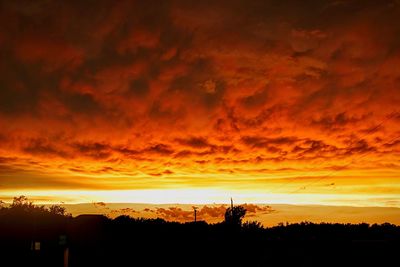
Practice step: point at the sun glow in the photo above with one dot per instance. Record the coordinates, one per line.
(195, 196)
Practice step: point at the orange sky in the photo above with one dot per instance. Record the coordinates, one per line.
(197, 101)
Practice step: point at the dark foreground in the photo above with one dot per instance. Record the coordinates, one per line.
(99, 241)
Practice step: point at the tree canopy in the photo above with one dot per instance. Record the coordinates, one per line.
(234, 215)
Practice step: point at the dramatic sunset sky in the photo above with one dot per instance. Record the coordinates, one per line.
(294, 102)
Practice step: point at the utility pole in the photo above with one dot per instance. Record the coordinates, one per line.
(195, 214)
(231, 209)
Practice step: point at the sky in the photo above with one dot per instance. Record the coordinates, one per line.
(200, 101)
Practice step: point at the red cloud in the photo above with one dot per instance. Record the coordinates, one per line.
(207, 213)
(175, 95)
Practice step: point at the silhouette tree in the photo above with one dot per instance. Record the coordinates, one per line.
(252, 226)
(22, 204)
(234, 215)
(21, 201)
(57, 210)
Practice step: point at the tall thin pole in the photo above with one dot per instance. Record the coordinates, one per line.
(195, 214)
(231, 208)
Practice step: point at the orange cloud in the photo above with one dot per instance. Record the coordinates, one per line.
(214, 213)
(133, 95)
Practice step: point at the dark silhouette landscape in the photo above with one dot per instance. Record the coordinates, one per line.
(33, 235)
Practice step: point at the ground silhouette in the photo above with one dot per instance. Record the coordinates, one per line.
(95, 240)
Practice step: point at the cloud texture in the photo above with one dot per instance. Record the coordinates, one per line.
(174, 94)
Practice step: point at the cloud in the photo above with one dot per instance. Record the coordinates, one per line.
(338, 121)
(361, 146)
(252, 208)
(393, 144)
(93, 150)
(308, 147)
(210, 213)
(123, 211)
(100, 205)
(196, 93)
(262, 142)
(41, 147)
(174, 213)
(194, 142)
(160, 149)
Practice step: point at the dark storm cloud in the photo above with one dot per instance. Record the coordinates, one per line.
(393, 144)
(338, 121)
(256, 100)
(85, 49)
(200, 84)
(139, 87)
(263, 142)
(160, 149)
(314, 146)
(82, 103)
(360, 147)
(20, 86)
(194, 142)
(42, 147)
(197, 86)
(93, 150)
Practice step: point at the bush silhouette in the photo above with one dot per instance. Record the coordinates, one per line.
(58, 210)
(234, 215)
(252, 226)
(22, 205)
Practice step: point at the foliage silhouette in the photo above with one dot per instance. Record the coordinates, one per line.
(58, 210)
(234, 215)
(21, 205)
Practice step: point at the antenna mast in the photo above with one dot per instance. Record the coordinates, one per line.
(231, 208)
(195, 214)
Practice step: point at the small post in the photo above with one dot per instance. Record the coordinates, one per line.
(195, 214)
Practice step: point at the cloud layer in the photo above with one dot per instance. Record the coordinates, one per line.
(175, 94)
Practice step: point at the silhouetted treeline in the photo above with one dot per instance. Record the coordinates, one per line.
(36, 236)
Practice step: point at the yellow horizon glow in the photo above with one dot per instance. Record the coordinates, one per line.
(196, 196)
